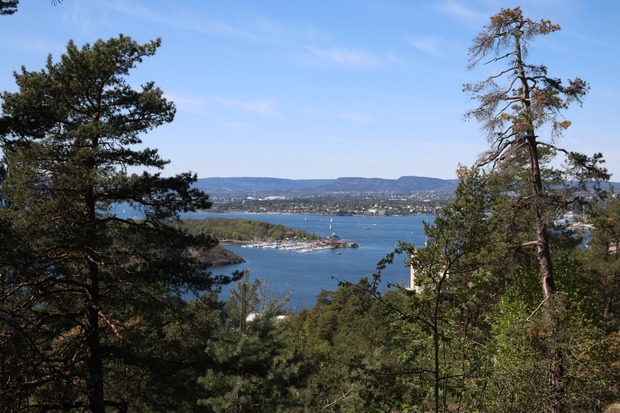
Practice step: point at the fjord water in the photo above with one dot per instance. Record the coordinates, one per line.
(305, 275)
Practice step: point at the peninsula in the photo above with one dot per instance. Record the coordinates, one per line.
(258, 234)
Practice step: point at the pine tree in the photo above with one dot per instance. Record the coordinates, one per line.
(252, 370)
(516, 103)
(78, 281)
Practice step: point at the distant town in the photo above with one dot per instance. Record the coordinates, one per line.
(342, 196)
(404, 196)
(329, 204)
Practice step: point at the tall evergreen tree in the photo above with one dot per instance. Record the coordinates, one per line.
(78, 280)
(516, 104)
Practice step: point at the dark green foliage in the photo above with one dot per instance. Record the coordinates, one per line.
(603, 261)
(252, 367)
(442, 319)
(519, 338)
(81, 288)
(163, 375)
(245, 230)
(346, 335)
(8, 6)
(219, 255)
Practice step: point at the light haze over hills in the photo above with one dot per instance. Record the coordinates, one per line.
(221, 186)
(405, 184)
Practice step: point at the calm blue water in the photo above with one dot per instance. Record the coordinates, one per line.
(305, 275)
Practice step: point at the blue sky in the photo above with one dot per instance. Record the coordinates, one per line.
(327, 88)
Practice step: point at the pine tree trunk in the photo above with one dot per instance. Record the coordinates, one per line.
(95, 382)
(543, 254)
(95, 395)
(543, 251)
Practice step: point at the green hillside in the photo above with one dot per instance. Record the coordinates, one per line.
(227, 229)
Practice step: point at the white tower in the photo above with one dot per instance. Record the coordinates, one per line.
(412, 285)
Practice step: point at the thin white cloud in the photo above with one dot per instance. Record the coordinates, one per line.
(76, 15)
(188, 104)
(350, 58)
(187, 19)
(460, 11)
(236, 125)
(432, 45)
(36, 46)
(259, 107)
(356, 117)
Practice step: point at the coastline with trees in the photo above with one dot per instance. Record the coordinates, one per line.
(102, 313)
(259, 234)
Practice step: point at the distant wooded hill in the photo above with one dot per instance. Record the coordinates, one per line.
(348, 185)
(275, 186)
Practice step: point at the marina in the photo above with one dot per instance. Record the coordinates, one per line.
(303, 275)
(303, 247)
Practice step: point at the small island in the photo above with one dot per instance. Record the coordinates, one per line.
(259, 234)
(219, 255)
